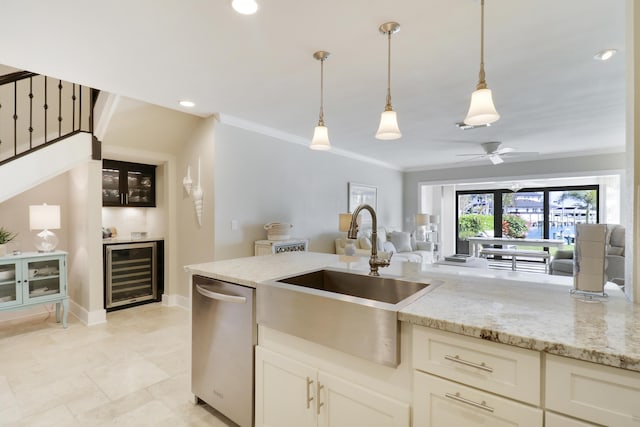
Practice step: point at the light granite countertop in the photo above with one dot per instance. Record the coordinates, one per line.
(118, 240)
(528, 310)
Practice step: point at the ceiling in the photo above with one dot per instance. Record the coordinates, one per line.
(553, 97)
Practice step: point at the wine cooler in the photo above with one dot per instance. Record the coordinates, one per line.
(131, 274)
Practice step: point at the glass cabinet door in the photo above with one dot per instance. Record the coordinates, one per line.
(9, 294)
(140, 187)
(43, 277)
(111, 186)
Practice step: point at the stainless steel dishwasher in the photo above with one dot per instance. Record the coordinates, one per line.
(224, 333)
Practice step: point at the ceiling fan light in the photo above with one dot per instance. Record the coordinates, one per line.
(245, 7)
(388, 128)
(481, 110)
(320, 140)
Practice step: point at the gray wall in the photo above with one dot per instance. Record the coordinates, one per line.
(260, 179)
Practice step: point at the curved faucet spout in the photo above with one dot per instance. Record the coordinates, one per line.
(374, 261)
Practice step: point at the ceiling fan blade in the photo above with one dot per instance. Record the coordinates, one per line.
(469, 154)
(504, 150)
(520, 153)
(496, 159)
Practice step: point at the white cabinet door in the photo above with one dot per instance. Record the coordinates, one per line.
(600, 394)
(555, 420)
(441, 403)
(344, 404)
(285, 391)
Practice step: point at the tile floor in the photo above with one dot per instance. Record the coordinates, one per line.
(131, 371)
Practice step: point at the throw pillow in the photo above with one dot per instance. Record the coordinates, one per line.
(414, 244)
(615, 250)
(389, 248)
(401, 240)
(364, 242)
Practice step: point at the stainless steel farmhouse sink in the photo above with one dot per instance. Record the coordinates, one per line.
(351, 312)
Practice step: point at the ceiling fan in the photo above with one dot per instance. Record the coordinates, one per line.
(495, 154)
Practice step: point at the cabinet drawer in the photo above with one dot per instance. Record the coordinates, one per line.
(442, 403)
(555, 420)
(506, 370)
(601, 394)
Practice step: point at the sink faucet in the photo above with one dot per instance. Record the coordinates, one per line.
(374, 261)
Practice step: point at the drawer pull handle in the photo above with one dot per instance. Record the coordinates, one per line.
(482, 405)
(480, 366)
(309, 397)
(318, 403)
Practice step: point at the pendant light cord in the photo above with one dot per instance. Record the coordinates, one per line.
(388, 106)
(321, 118)
(482, 84)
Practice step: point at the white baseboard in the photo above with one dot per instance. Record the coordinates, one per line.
(172, 300)
(89, 318)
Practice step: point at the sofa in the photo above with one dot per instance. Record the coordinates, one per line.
(400, 244)
(562, 262)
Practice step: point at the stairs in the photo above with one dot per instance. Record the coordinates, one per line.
(41, 165)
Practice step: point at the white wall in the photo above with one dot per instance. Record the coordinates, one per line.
(195, 243)
(632, 195)
(260, 179)
(86, 289)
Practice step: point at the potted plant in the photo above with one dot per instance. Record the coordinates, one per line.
(5, 237)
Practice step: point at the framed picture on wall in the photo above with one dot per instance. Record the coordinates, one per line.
(360, 193)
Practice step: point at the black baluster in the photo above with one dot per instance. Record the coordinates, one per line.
(59, 108)
(46, 107)
(73, 115)
(30, 112)
(15, 118)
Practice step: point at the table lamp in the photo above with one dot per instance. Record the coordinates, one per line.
(46, 218)
(422, 220)
(344, 221)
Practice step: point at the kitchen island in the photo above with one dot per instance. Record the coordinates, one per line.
(527, 319)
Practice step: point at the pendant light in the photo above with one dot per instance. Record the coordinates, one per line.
(481, 111)
(388, 128)
(320, 140)
(245, 7)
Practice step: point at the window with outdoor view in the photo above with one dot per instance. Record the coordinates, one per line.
(532, 213)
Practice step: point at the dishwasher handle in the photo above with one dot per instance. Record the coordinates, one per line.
(221, 297)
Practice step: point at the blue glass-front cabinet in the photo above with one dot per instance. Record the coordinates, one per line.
(35, 278)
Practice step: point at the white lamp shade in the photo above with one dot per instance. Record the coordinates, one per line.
(245, 7)
(44, 217)
(344, 221)
(422, 219)
(388, 128)
(481, 110)
(320, 139)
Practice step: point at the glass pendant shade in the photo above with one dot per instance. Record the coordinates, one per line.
(388, 128)
(481, 111)
(245, 7)
(320, 140)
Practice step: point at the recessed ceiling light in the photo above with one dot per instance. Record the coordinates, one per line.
(605, 55)
(188, 104)
(245, 7)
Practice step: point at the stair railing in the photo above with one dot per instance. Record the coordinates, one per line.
(37, 111)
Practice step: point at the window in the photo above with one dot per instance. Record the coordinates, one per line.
(534, 213)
